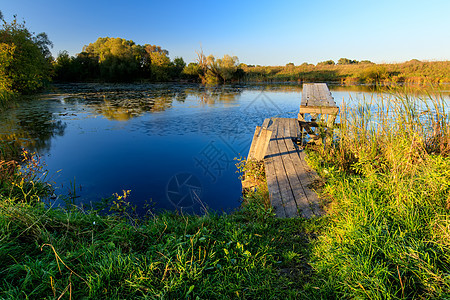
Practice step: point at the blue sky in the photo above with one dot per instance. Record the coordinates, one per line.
(258, 32)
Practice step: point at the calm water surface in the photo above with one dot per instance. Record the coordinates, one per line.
(173, 146)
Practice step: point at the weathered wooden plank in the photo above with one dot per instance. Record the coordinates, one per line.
(291, 159)
(262, 144)
(316, 94)
(307, 207)
(312, 134)
(290, 203)
(274, 189)
(271, 176)
(300, 173)
(331, 119)
(318, 109)
(259, 144)
(289, 178)
(303, 100)
(324, 92)
(320, 103)
(251, 152)
(257, 152)
(301, 117)
(305, 94)
(294, 128)
(305, 174)
(309, 124)
(266, 123)
(287, 196)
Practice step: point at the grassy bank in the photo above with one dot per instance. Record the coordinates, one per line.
(386, 233)
(413, 71)
(50, 253)
(46, 254)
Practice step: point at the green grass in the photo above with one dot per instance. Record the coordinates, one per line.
(46, 253)
(386, 234)
(388, 180)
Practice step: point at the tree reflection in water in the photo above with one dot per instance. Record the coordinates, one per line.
(32, 125)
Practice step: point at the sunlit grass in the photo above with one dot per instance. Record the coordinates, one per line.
(414, 71)
(388, 181)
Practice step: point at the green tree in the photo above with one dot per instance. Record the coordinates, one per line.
(86, 67)
(83, 67)
(113, 47)
(176, 67)
(6, 58)
(228, 66)
(191, 71)
(26, 58)
(124, 60)
(346, 61)
(119, 59)
(62, 66)
(179, 62)
(155, 62)
(214, 71)
(325, 63)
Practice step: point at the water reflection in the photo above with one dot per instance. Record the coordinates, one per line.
(31, 126)
(121, 102)
(152, 139)
(212, 95)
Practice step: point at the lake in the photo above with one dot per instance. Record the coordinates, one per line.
(173, 146)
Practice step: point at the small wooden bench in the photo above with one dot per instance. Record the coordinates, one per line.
(319, 104)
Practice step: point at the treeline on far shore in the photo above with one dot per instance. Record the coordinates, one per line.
(154, 64)
(27, 65)
(120, 60)
(353, 72)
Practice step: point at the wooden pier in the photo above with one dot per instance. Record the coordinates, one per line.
(289, 178)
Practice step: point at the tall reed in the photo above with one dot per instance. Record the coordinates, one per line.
(389, 184)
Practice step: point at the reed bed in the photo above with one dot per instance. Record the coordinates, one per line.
(388, 183)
